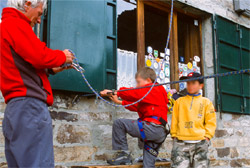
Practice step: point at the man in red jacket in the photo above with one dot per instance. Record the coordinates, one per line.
(25, 63)
(150, 127)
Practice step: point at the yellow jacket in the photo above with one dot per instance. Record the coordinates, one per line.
(193, 118)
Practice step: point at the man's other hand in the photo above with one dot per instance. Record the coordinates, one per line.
(69, 56)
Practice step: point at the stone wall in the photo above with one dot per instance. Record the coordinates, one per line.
(82, 131)
(224, 8)
(82, 134)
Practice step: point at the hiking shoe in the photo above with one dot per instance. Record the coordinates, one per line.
(121, 158)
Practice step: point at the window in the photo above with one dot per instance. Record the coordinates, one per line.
(233, 54)
(127, 43)
(91, 35)
(185, 40)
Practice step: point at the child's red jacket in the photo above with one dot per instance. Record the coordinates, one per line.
(155, 104)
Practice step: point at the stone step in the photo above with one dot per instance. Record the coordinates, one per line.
(139, 165)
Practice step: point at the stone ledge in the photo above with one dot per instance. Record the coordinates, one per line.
(139, 165)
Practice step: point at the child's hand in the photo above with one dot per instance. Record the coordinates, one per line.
(115, 99)
(105, 92)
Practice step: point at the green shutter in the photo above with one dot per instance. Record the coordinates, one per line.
(89, 29)
(233, 54)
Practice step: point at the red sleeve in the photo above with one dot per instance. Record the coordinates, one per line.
(31, 49)
(157, 96)
(131, 108)
(132, 95)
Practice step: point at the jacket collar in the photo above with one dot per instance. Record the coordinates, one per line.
(195, 95)
(14, 13)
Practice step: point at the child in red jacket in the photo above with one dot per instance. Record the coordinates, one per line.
(150, 127)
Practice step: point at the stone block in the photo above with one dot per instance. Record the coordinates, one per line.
(234, 152)
(231, 142)
(218, 143)
(74, 154)
(63, 116)
(127, 115)
(2, 106)
(245, 152)
(1, 138)
(239, 133)
(223, 152)
(236, 116)
(240, 163)
(222, 163)
(102, 136)
(245, 123)
(221, 133)
(95, 116)
(243, 141)
(3, 165)
(231, 124)
(167, 145)
(73, 134)
(247, 131)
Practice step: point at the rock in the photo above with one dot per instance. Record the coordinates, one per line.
(73, 134)
(63, 116)
(214, 163)
(2, 106)
(2, 139)
(231, 124)
(220, 133)
(239, 133)
(234, 152)
(102, 136)
(236, 116)
(104, 155)
(223, 152)
(95, 116)
(231, 142)
(240, 163)
(218, 143)
(127, 115)
(245, 123)
(235, 163)
(74, 154)
(243, 141)
(3, 165)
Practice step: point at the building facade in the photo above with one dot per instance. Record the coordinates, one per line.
(111, 40)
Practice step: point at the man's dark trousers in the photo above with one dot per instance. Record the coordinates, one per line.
(27, 128)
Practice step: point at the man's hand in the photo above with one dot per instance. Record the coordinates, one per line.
(115, 99)
(69, 56)
(105, 92)
(60, 69)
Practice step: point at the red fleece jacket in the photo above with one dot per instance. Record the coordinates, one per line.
(24, 59)
(155, 104)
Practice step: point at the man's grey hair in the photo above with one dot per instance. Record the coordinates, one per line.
(19, 4)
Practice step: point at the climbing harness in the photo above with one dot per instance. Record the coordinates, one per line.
(148, 148)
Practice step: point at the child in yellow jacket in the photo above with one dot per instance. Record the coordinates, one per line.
(193, 125)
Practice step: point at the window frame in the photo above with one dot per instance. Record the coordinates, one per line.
(173, 43)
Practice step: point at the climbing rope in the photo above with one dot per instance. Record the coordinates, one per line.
(77, 67)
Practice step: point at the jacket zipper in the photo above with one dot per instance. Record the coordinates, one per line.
(192, 103)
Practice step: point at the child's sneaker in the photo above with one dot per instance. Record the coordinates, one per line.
(121, 158)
